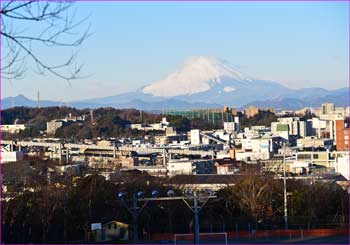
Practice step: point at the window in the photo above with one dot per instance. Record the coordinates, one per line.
(115, 226)
(315, 156)
(109, 226)
(304, 156)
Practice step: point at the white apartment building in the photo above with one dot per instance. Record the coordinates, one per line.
(342, 165)
(162, 126)
(13, 128)
(11, 156)
(189, 167)
(195, 137)
(258, 148)
(292, 122)
(281, 130)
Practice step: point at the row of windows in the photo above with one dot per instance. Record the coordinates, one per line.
(307, 156)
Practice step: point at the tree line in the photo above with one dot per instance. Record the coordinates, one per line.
(63, 213)
(108, 122)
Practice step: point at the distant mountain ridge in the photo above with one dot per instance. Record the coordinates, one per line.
(340, 97)
(205, 82)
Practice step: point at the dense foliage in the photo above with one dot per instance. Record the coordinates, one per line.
(263, 118)
(64, 213)
(108, 122)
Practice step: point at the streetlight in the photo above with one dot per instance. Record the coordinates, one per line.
(190, 195)
(134, 210)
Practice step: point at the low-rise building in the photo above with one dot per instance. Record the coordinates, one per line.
(188, 167)
(259, 148)
(342, 165)
(53, 125)
(299, 167)
(203, 182)
(161, 126)
(281, 130)
(110, 231)
(231, 127)
(323, 158)
(156, 170)
(11, 156)
(195, 137)
(227, 166)
(313, 142)
(13, 128)
(169, 139)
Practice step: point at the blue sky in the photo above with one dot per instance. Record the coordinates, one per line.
(299, 44)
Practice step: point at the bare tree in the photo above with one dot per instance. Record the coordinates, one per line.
(30, 28)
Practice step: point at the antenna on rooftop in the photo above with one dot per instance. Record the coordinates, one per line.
(92, 116)
(38, 99)
(208, 114)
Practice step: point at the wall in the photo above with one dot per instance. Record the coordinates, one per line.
(12, 156)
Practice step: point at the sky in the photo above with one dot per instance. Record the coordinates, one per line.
(298, 44)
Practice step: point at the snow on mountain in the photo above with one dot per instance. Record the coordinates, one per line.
(228, 89)
(204, 82)
(198, 74)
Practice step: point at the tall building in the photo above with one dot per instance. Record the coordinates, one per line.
(327, 108)
(305, 128)
(342, 136)
(330, 120)
(232, 126)
(292, 122)
(279, 129)
(195, 137)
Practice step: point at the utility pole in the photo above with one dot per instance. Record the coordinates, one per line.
(285, 188)
(196, 218)
(135, 210)
(135, 219)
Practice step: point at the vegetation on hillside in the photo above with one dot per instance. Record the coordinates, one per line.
(263, 118)
(108, 122)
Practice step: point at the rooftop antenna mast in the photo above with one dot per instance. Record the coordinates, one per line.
(92, 116)
(38, 99)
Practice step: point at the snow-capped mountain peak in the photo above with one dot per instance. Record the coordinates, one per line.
(198, 74)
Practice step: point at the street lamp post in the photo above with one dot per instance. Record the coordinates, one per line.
(134, 210)
(135, 217)
(196, 218)
(196, 208)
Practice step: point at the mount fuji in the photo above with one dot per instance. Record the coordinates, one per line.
(199, 74)
(201, 81)
(207, 82)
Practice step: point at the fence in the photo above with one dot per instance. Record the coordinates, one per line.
(269, 234)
